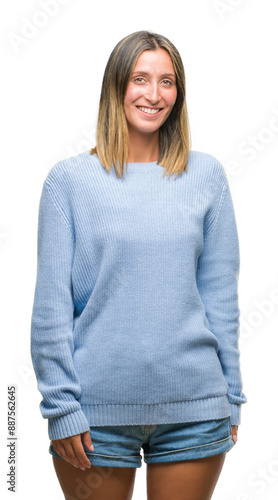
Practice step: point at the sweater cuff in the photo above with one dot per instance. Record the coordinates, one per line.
(67, 425)
(235, 414)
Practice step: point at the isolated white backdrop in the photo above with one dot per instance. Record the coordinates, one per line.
(53, 54)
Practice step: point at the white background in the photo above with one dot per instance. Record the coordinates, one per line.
(53, 68)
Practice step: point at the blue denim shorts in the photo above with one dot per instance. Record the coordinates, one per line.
(120, 445)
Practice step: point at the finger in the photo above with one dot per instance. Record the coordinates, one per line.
(81, 459)
(59, 448)
(70, 456)
(67, 454)
(87, 440)
(71, 450)
(234, 434)
(73, 457)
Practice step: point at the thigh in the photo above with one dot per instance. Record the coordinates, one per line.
(96, 483)
(185, 479)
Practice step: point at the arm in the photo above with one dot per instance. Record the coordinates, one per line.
(217, 281)
(52, 342)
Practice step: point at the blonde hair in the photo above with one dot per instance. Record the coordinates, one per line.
(112, 136)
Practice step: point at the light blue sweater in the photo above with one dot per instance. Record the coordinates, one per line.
(135, 317)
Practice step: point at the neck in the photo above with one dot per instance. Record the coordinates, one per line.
(143, 148)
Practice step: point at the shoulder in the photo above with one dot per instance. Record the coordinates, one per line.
(206, 168)
(71, 169)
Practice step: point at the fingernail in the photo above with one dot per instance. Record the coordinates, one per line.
(235, 439)
(91, 447)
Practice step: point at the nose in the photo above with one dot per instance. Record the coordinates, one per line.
(153, 94)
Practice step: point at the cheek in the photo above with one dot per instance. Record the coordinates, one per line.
(173, 98)
(132, 94)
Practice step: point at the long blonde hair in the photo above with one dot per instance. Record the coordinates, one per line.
(112, 136)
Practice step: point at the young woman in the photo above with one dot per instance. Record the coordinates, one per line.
(135, 319)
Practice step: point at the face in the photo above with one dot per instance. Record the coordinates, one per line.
(151, 92)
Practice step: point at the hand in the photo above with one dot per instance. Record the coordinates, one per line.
(234, 429)
(71, 449)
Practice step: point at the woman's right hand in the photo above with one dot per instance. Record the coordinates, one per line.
(71, 449)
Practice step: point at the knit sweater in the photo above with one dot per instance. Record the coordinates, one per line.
(135, 317)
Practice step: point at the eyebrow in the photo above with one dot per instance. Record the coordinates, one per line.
(146, 73)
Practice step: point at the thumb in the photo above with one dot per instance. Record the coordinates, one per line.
(86, 438)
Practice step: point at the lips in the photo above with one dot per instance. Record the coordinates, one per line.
(149, 111)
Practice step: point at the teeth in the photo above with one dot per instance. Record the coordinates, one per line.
(149, 110)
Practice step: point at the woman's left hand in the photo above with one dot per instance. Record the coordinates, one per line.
(234, 429)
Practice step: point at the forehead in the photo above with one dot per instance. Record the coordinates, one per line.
(154, 60)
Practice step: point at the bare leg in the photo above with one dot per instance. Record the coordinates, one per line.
(185, 479)
(96, 483)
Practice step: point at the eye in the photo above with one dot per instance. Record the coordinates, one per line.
(139, 79)
(167, 82)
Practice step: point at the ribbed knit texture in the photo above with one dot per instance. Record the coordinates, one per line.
(135, 317)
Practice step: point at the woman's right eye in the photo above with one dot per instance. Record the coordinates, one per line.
(139, 79)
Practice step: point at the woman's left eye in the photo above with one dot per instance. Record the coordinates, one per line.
(167, 82)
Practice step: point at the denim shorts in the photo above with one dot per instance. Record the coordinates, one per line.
(120, 445)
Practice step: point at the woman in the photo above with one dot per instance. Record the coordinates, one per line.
(135, 320)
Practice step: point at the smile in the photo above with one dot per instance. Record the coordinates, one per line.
(149, 111)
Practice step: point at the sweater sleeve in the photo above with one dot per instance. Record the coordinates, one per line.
(52, 342)
(217, 281)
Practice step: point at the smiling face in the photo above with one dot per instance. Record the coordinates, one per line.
(151, 92)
